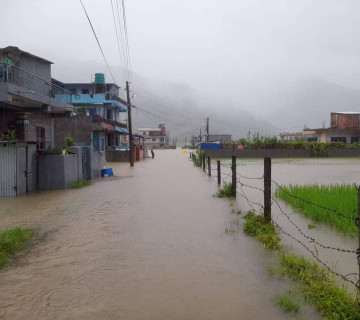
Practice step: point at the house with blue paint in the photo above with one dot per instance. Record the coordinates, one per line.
(102, 111)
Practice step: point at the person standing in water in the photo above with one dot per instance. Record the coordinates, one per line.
(152, 154)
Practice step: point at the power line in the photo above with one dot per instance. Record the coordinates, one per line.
(98, 42)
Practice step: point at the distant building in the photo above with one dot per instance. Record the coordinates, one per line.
(155, 137)
(344, 127)
(291, 136)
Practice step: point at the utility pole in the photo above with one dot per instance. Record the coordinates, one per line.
(200, 136)
(207, 129)
(130, 125)
(185, 141)
(193, 140)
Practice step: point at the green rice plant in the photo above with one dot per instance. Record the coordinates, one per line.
(265, 232)
(80, 184)
(338, 198)
(319, 287)
(11, 241)
(225, 191)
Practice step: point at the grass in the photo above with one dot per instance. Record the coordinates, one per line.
(341, 198)
(225, 191)
(11, 241)
(265, 232)
(80, 184)
(317, 285)
(288, 301)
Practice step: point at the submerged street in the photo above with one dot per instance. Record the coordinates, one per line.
(148, 243)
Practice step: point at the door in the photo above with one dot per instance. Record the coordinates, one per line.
(21, 170)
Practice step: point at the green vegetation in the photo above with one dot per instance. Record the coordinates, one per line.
(225, 191)
(319, 287)
(311, 226)
(256, 226)
(341, 198)
(69, 141)
(9, 135)
(197, 158)
(80, 184)
(289, 301)
(11, 241)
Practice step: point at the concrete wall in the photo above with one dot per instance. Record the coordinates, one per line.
(97, 162)
(57, 172)
(71, 126)
(118, 156)
(278, 153)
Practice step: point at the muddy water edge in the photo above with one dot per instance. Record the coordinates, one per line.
(149, 243)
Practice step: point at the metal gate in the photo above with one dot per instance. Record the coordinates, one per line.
(86, 164)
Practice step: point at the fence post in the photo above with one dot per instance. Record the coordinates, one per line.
(267, 189)
(218, 172)
(203, 161)
(233, 170)
(209, 166)
(358, 250)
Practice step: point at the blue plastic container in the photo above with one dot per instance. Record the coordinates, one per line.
(107, 172)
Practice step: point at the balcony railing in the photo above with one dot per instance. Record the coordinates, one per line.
(114, 123)
(22, 78)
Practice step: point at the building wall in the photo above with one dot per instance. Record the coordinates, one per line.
(43, 120)
(35, 66)
(342, 121)
(71, 126)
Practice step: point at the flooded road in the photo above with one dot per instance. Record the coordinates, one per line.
(146, 244)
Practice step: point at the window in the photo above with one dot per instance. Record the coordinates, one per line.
(85, 91)
(354, 139)
(153, 139)
(40, 138)
(338, 139)
(73, 91)
(312, 139)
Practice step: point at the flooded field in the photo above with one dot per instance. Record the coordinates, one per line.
(149, 243)
(303, 172)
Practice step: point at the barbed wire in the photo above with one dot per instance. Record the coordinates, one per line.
(306, 236)
(314, 255)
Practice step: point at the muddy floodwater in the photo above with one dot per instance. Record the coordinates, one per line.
(149, 243)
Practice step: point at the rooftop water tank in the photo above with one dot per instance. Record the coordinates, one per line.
(99, 78)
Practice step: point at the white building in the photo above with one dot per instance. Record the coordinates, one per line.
(155, 137)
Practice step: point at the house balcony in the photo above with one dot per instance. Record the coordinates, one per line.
(110, 125)
(100, 98)
(23, 89)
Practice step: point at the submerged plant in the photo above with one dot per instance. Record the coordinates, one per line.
(11, 241)
(225, 191)
(265, 232)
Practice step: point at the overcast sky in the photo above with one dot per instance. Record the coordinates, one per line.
(245, 51)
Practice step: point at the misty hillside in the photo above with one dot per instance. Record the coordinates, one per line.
(309, 102)
(184, 112)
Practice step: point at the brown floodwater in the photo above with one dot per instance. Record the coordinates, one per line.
(149, 243)
(303, 172)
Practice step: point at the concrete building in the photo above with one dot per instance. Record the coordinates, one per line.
(225, 138)
(291, 136)
(155, 137)
(28, 99)
(29, 103)
(344, 127)
(102, 111)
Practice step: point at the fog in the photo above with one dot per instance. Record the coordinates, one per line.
(256, 65)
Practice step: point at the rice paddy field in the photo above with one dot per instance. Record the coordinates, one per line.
(335, 205)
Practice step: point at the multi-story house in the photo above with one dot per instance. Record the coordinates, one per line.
(28, 105)
(102, 111)
(155, 137)
(344, 127)
(28, 98)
